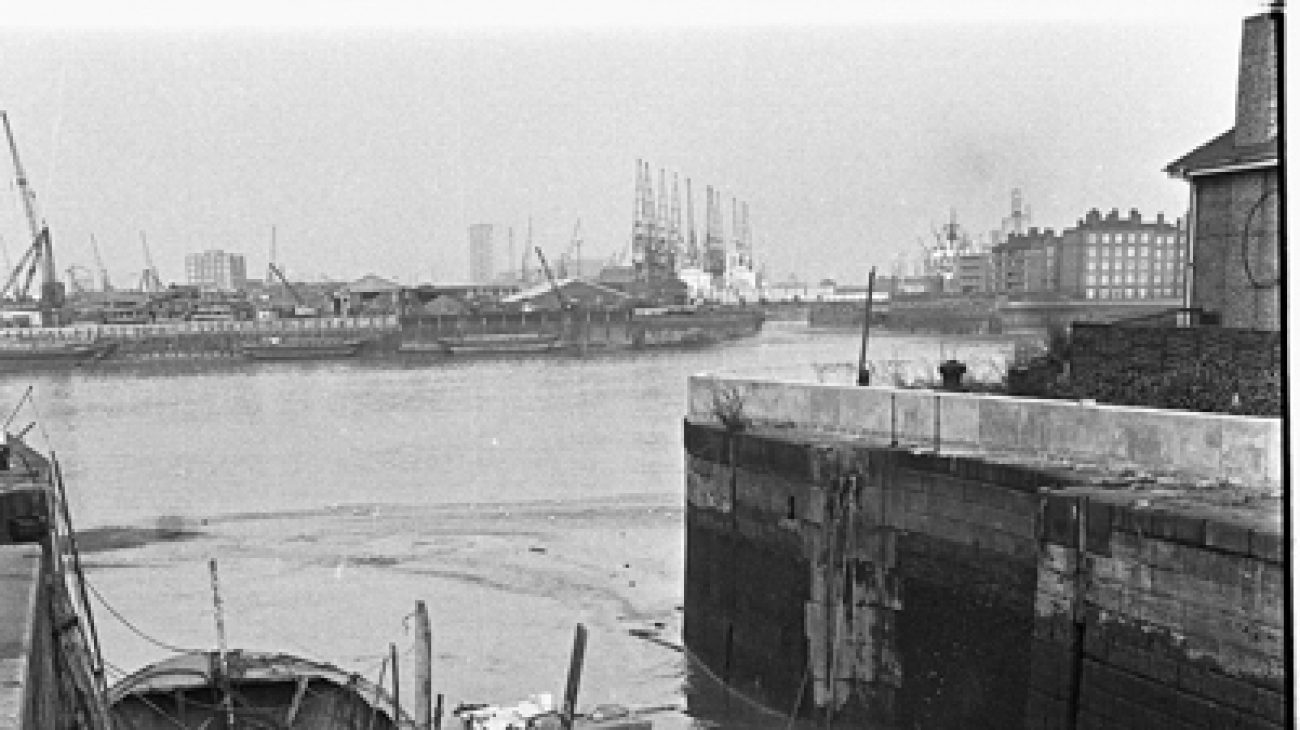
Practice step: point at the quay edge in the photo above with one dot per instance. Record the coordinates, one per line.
(914, 559)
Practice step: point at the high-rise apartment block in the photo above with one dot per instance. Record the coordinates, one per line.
(482, 258)
(216, 270)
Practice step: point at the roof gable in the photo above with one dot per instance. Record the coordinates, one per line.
(1221, 154)
(372, 283)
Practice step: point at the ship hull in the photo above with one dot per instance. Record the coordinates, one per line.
(291, 350)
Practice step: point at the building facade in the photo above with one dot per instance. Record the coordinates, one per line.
(1027, 263)
(975, 273)
(216, 270)
(1123, 257)
(1235, 219)
(482, 257)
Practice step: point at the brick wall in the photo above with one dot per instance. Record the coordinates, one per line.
(1236, 255)
(1199, 368)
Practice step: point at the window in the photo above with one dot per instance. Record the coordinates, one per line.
(1132, 250)
(1157, 279)
(1132, 238)
(1105, 293)
(1105, 279)
(1128, 293)
(1105, 265)
(1092, 266)
(1143, 293)
(1092, 252)
(1144, 251)
(1090, 279)
(1092, 238)
(1092, 293)
(1146, 238)
(1142, 263)
(1105, 238)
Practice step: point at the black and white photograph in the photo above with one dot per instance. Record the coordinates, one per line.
(644, 366)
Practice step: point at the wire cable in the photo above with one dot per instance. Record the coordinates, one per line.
(135, 629)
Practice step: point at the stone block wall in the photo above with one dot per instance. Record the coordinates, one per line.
(1156, 618)
(888, 587)
(1217, 369)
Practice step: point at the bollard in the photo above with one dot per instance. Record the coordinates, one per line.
(950, 374)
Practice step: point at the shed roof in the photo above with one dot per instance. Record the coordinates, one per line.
(372, 284)
(545, 288)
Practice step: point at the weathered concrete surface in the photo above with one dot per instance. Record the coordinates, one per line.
(899, 587)
(1243, 451)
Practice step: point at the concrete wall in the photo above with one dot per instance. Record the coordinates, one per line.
(888, 588)
(1243, 451)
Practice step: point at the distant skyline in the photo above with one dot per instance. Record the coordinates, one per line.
(372, 143)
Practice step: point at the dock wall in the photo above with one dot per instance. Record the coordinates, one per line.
(382, 335)
(591, 329)
(848, 568)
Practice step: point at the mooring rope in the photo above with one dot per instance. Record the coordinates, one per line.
(135, 629)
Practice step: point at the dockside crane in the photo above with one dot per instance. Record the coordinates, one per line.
(575, 244)
(150, 283)
(40, 254)
(301, 308)
(104, 284)
(550, 277)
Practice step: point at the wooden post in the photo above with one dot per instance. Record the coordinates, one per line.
(575, 676)
(227, 701)
(864, 375)
(397, 687)
(423, 668)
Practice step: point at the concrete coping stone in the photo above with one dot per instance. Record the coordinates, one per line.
(1210, 450)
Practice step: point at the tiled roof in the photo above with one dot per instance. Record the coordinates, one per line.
(1220, 152)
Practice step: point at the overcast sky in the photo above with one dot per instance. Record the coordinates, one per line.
(371, 141)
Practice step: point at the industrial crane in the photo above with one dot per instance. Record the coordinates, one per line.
(554, 285)
(104, 284)
(150, 283)
(301, 308)
(40, 254)
(575, 244)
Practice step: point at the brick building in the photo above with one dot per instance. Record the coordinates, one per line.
(1236, 232)
(1122, 257)
(1027, 262)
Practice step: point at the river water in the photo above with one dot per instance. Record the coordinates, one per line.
(517, 497)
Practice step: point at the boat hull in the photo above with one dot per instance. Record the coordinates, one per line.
(265, 690)
(291, 350)
(56, 353)
(499, 344)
